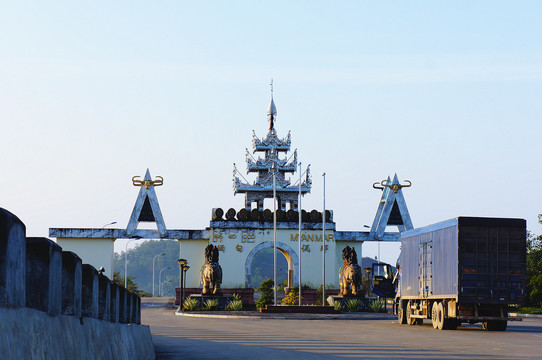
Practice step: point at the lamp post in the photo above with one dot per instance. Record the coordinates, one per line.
(185, 269)
(162, 285)
(183, 264)
(126, 263)
(153, 272)
(160, 278)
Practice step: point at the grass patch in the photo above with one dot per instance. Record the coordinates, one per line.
(526, 309)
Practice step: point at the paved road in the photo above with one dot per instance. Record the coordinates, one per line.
(202, 338)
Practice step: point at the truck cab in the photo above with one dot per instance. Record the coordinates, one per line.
(382, 280)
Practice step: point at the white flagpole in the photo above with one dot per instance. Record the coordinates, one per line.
(274, 236)
(299, 235)
(324, 245)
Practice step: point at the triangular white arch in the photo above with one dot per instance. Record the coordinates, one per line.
(147, 191)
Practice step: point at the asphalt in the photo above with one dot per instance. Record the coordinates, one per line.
(184, 337)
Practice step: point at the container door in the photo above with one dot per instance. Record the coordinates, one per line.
(426, 262)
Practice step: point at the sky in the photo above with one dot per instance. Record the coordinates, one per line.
(446, 94)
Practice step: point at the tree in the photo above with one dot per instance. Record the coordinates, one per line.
(140, 260)
(266, 293)
(130, 284)
(534, 267)
(292, 298)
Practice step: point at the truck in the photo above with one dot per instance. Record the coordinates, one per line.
(464, 270)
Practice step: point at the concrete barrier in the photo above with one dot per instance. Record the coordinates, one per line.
(31, 334)
(114, 303)
(54, 307)
(122, 305)
(104, 297)
(12, 259)
(43, 275)
(90, 291)
(71, 284)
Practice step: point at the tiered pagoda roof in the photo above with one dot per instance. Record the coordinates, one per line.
(271, 146)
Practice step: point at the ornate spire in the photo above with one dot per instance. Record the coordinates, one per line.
(272, 168)
(272, 110)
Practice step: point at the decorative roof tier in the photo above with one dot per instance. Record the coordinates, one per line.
(271, 164)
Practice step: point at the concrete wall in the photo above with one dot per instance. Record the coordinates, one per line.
(31, 334)
(96, 252)
(54, 307)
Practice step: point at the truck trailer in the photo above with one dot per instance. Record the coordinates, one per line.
(464, 270)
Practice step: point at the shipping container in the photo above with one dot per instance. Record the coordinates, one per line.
(467, 269)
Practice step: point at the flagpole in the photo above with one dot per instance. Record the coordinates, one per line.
(324, 245)
(299, 235)
(274, 236)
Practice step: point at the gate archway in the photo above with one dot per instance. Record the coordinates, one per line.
(287, 251)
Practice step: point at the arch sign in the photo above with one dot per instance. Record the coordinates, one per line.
(239, 241)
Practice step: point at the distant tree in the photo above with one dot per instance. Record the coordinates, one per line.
(140, 260)
(534, 267)
(130, 284)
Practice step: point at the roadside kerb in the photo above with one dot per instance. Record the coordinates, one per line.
(287, 316)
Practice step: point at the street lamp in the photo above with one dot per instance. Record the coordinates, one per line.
(153, 272)
(126, 263)
(162, 285)
(183, 264)
(160, 278)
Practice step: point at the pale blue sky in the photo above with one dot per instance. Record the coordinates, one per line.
(447, 94)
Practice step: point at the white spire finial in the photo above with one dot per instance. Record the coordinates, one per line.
(272, 110)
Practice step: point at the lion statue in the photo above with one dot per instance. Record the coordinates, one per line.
(350, 273)
(211, 272)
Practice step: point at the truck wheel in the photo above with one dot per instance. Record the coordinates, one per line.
(495, 325)
(440, 317)
(401, 316)
(450, 324)
(434, 318)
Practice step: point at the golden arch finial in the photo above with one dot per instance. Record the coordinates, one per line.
(148, 183)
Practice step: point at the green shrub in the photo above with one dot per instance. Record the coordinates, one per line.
(210, 304)
(319, 298)
(190, 304)
(234, 305)
(266, 293)
(337, 305)
(292, 298)
(236, 297)
(353, 305)
(376, 306)
(282, 285)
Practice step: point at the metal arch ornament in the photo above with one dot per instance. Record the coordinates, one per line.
(392, 186)
(147, 183)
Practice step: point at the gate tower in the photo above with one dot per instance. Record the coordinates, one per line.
(272, 163)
